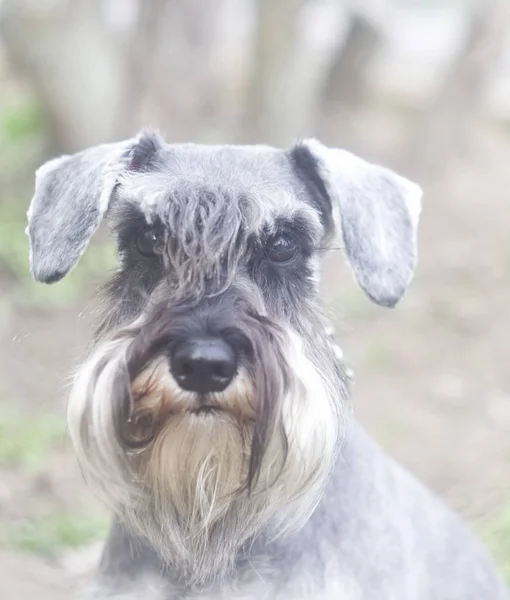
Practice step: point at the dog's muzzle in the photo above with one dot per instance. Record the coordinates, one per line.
(195, 416)
(200, 360)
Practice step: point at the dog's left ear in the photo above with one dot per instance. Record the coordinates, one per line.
(72, 194)
(377, 213)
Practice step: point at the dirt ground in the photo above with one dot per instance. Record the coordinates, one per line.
(431, 377)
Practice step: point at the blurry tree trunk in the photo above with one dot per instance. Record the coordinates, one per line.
(138, 46)
(446, 128)
(346, 85)
(273, 90)
(104, 68)
(344, 88)
(176, 61)
(62, 48)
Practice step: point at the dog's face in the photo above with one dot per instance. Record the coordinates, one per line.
(211, 403)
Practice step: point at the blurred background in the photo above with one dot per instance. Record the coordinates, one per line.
(422, 86)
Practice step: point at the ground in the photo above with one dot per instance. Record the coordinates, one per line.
(431, 380)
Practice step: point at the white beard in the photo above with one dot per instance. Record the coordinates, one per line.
(185, 493)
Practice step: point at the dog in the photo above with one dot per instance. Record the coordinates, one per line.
(212, 413)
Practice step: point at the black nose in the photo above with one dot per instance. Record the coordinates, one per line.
(203, 365)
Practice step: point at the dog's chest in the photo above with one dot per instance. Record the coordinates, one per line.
(271, 586)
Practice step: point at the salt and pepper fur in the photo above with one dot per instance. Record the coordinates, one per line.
(276, 492)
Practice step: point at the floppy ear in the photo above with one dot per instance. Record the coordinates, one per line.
(72, 194)
(377, 212)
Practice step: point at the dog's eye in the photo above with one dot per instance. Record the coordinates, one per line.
(282, 248)
(146, 242)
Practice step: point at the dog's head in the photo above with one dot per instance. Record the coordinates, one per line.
(210, 405)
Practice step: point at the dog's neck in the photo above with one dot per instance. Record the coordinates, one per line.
(127, 559)
(123, 551)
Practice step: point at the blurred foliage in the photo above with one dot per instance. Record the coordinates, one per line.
(26, 441)
(22, 136)
(51, 535)
(496, 535)
(20, 119)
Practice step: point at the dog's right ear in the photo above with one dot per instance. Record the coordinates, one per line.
(72, 194)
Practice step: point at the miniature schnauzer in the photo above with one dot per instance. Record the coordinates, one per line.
(212, 413)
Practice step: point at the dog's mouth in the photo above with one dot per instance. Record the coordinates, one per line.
(206, 409)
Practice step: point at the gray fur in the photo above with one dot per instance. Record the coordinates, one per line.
(72, 194)
(378, 214)
(377, 211)
(276, 493)
(377, 534)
